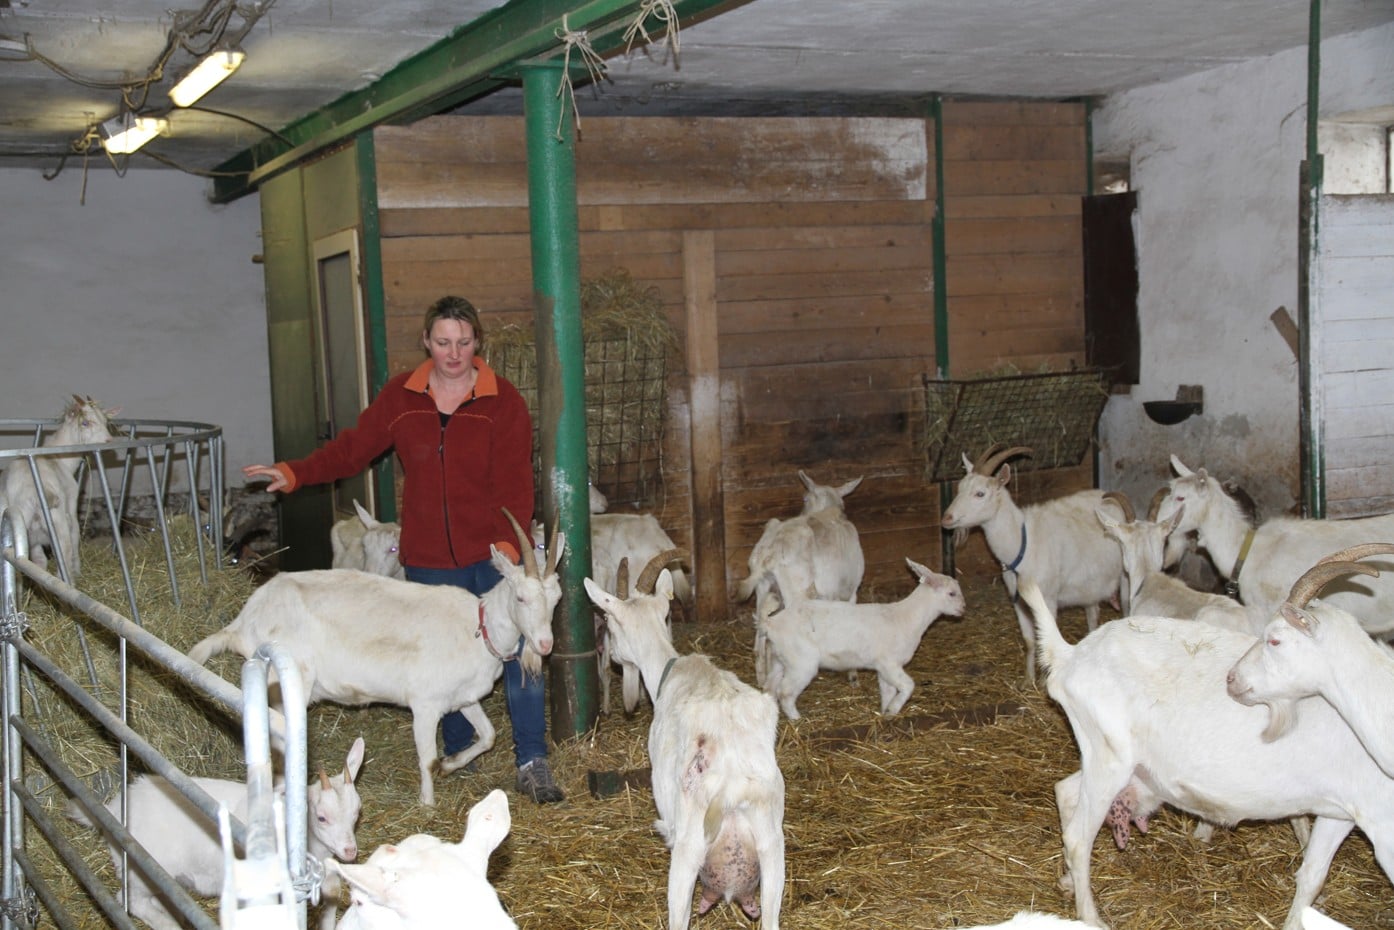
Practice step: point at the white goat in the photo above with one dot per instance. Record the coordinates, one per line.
(716, 782)
(1032, 920)
(1280, 550)
(1057, 543)
(630, 682)
(1321, 649)
(423, 883)
(367, 544)
(360, 639)
(84, 422)
(1150, 592)
(818, 551)
(1145, 697)
(187, 845)
(811, 634)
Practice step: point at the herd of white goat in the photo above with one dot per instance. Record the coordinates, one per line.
(1265, 707)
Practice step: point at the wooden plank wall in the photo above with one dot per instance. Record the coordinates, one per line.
(1014, 176)
(1354, 340)
(824, 290)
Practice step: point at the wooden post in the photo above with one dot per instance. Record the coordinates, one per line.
(704, 380)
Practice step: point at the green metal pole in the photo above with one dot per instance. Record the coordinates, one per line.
(1313, 435)
(561, 384)
(941, 303)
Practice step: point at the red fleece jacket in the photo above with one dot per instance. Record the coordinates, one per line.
(455, 478)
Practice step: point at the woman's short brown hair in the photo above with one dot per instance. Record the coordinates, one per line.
(458, 309)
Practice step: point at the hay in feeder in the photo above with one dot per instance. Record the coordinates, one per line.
(1054, 413)
(627, 345)
(947, 822)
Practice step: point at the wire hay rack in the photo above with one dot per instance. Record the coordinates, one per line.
(628, 344)
(1054, 413)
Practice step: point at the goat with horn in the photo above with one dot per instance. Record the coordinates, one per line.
(1058, 543)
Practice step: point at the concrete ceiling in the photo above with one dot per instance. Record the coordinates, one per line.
(63, 62)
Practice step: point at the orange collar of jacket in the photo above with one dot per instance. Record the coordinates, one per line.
(486, 383)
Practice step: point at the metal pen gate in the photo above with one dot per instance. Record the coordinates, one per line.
(33, 764)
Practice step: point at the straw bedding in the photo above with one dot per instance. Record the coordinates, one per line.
(944, 816)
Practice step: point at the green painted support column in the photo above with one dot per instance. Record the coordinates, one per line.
(374, 305)
(1312, 430)
(556, 282)
(941, 305)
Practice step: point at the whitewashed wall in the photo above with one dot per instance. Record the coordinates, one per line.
(1215, 161)
(145, 297)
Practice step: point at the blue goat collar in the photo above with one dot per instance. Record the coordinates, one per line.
(1020, 554)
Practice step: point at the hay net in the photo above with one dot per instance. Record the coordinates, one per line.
(627, 343)
(1054, 413)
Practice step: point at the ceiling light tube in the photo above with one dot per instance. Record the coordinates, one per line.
(128, 132)
(210, 72)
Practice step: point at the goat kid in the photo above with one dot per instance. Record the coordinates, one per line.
(716, 782)
(1318, 649)
(1059, 543)
(367, 544)
(187, 845)
(423, 883)
(359, 639)
(83, 423)
(1145, 697)
(808, 635)
(1280, 550)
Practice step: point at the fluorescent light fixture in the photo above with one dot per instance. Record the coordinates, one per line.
(128, 132)
(210, 72)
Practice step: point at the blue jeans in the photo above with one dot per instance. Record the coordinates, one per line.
(527, 706)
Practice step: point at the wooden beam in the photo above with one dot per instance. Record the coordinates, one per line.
(704, 373)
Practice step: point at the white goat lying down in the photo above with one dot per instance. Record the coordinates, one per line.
(187, 845)
(423, 883)
(1146, 699)
(1149, 591)
(84, 423)
(716, 782)
(1281, 549)
(367, 544)
(1059, 543)
(361, 639)
(808, 635)
(1322, 650)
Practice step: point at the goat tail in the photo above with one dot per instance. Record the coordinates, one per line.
(210, 646)
(1052, 648)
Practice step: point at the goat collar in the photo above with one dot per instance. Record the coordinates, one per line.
(664, 677)
(483, 632)
(1020, 553)
(1232, 585)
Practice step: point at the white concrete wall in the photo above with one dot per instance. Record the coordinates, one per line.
(145, 297)
(1215, 160)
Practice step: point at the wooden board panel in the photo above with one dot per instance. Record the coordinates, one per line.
(996, 142)
(1057, 235)
(625, 161)
(978, 275)
(959, 113)
(1014, 177)
(774, 317)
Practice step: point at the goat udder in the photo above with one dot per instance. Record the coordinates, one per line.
(731, 871)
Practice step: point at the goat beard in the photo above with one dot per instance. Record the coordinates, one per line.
(960, 537)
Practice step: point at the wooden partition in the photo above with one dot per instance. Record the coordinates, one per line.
(795, 260)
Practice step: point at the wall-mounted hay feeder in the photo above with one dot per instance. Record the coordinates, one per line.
(1054, 413)
(628, 343)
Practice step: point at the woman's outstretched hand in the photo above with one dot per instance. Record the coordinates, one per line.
(275, 477)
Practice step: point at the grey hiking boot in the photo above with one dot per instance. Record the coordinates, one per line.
(535, 781)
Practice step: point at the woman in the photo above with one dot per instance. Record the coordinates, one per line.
(464, 438)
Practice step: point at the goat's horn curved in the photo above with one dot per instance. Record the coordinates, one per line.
(553, 553)
(525, 549)
(622, 579)
(1125, 505)
(1322, 574)
(324, 781)
(989, 464)
(988, 453)
(1361, 551)
(1155, 507)
(649, 577)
